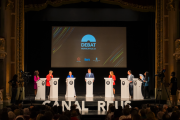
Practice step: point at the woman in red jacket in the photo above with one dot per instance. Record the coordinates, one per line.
(48, 78)
(114, 78)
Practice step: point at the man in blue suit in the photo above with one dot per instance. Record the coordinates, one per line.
(89, 75)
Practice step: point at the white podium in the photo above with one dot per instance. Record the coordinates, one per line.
(70, 87)
(109, 87)
(137, 93)
(124, 88)
(41, 84)
(54, 88)
(89, 87)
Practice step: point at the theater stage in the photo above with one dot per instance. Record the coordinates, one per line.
(93, 102)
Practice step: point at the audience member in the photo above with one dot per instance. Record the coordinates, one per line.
(11, 115)
(126, 115)
(46, 112)
(111, 113)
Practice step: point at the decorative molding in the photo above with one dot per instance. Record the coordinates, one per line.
(2, 48)
(10, 5)
(1, 96)
(3, 55)
(170, 5)
(19, 36)
(177, 50)
(57, 3)
(159, 42)
(2, 44)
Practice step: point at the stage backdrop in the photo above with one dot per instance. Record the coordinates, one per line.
(88, 47)
(137, 38)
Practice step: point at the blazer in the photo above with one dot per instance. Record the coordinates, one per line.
(70, 77)
(91, 75)
(114, 78)
(48, 78)
(130, 77)
(147, 82)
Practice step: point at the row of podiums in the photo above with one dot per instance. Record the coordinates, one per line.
(70, 90)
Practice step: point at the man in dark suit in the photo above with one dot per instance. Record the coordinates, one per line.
(130, 78)
(89, 75)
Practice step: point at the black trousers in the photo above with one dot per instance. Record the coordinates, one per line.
(131, 89)
(146, 91)
(13, 98)
(47, 90)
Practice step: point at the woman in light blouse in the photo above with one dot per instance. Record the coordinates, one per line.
(71, 76)
(36, 78)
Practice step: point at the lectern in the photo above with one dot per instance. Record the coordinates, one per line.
(109, 87)
(70, 90)
(54, 88)
(137, 93)
(89, 87)
(41, 84)
(124, 88)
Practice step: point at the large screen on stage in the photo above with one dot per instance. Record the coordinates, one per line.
(88, 47)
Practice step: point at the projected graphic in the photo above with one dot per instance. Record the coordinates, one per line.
(88, 42)
(88, 47)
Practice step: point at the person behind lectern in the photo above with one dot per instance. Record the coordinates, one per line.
(142, 79)
(89, 75)
(111, 75)
(146, 84)
(48, 78)
(36, 78)
(71, 76)
(130, 78)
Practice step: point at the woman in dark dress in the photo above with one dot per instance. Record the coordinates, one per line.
(173, 87)
(146, 85)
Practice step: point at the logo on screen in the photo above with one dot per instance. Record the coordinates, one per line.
(88, 42)
(78, 59)
(86, 59)
(96, 60)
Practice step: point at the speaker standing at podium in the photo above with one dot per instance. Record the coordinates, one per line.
(48, 78)
(89, 75)
(142, 79)
(130, 78)
(71, 76)
(114, 78)
(146, 85)
(36, 78)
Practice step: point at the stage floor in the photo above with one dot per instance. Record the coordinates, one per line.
(82, 97)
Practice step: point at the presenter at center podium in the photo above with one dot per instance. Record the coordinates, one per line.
(111, 75)
(130, 78)
(89, 75)
(71, 76)
(48, 78)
